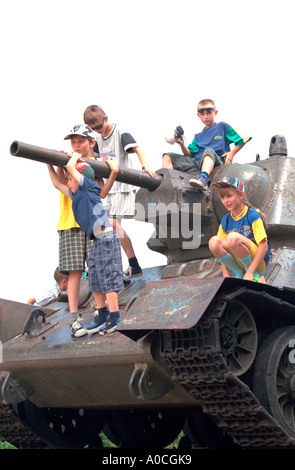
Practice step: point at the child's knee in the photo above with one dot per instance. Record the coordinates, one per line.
(234, 239)
(167, 161)
(214, 243)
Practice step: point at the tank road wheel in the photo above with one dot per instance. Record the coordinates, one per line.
(65, 428)
(111, 431)
(274, 376)
(238, 337)
(147, 429)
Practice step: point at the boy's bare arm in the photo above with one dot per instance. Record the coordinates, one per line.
(71, 165)
(57, 183)
(105, 187)
(142, 158)
(229, 156)
(61, 174)
(184, 149)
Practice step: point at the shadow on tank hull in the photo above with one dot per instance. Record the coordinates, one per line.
(193, 351)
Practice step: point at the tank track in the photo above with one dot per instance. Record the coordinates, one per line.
(17, 433)
(194, 359)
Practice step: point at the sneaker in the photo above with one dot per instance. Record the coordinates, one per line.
(110, 325)
(199, 182)
(171, 140)
(77, 330)
(260, 279)
(98, 321)
(132, 272)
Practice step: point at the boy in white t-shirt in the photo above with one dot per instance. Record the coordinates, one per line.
(120, 202)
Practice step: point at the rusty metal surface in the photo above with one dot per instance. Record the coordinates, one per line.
(282, 268)
(138, 283)
(170, 303)
(55, 347)
(13, 316)
(91, 371)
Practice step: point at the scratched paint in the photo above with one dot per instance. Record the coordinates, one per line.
(170, 303)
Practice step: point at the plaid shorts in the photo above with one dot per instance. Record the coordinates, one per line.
(74, 250)
(105, 270)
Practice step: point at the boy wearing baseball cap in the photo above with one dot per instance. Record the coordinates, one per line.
(241, 243)
(105, 271)
(74, 245)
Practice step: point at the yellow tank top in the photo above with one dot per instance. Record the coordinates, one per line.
(66, 216)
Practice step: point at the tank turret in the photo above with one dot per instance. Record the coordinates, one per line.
(185, 219)
(194, 352)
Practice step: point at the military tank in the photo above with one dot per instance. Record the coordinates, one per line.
(194, 352)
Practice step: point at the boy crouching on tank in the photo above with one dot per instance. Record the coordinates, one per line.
(105, 263)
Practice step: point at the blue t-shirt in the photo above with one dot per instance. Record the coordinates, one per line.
(87, 206)
(218, 137)
(249, 224)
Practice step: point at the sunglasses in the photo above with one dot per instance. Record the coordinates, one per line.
(96, 128)
(206, 110)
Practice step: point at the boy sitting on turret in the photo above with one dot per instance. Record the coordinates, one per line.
(210, 148)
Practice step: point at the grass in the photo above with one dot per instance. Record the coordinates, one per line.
(6, 445)
(106, 443)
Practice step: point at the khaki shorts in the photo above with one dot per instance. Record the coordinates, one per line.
(74, 250)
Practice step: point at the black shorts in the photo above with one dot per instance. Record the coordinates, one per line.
(189, 164)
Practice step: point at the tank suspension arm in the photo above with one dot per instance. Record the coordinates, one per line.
(101, 169)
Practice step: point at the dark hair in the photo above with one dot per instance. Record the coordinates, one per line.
(58, 276)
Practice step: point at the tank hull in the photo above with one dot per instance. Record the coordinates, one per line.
(52, 364)
(147, 366)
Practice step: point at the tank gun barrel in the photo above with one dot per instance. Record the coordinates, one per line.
(101, 169)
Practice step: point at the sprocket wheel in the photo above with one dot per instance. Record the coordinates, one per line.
(238, 337)
(274, 376)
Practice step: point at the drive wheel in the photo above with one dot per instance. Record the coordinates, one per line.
(238, 337)
(274, 377)
(65, 428)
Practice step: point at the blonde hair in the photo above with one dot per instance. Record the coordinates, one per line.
(247, 203)
(206, 102)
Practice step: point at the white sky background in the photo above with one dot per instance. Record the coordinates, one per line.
(147, 64)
